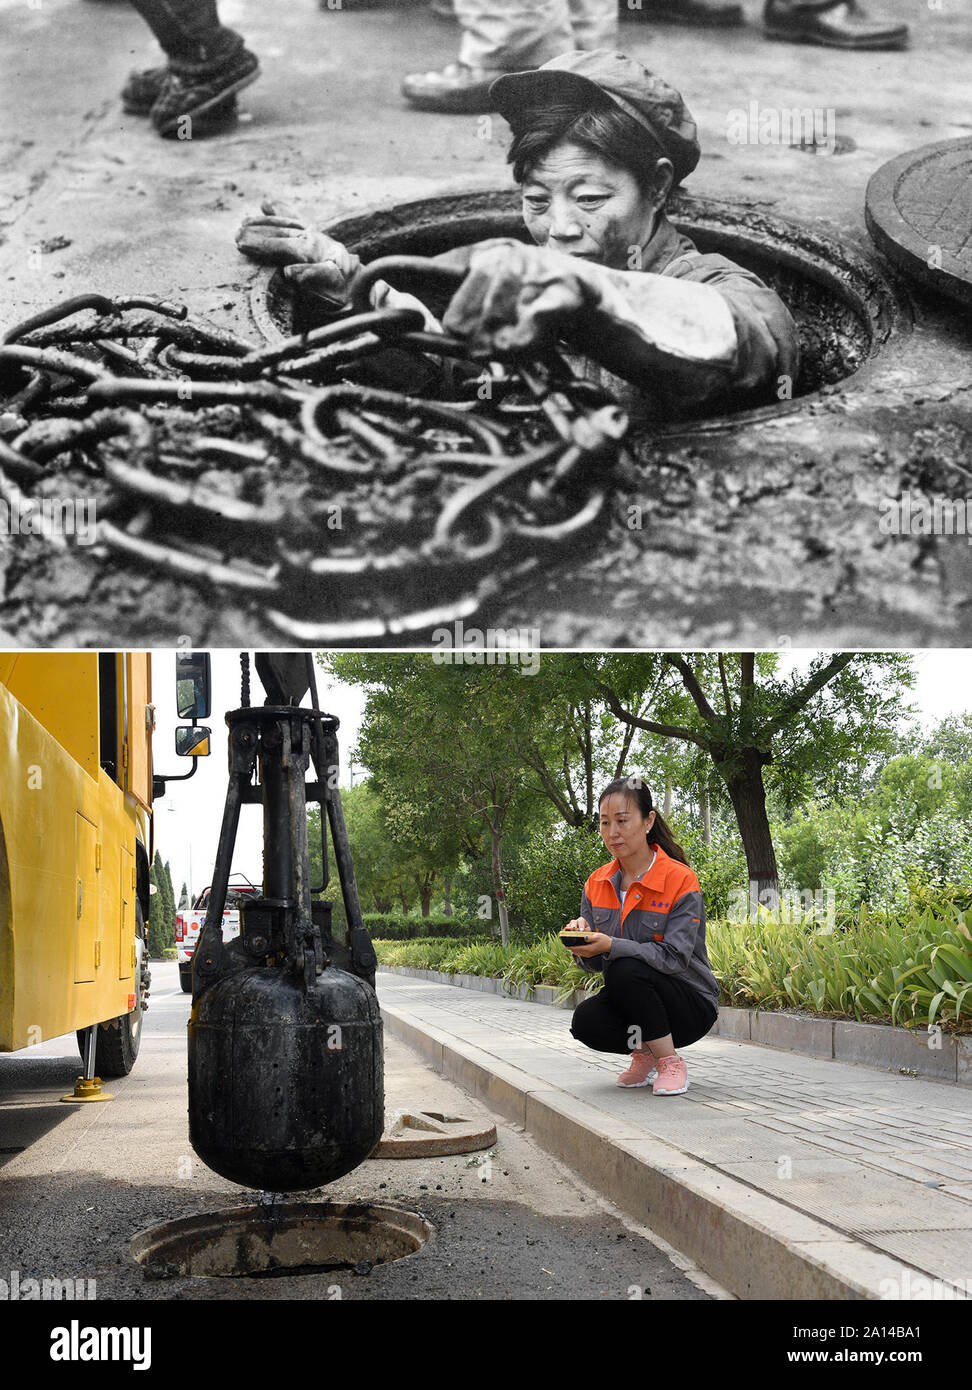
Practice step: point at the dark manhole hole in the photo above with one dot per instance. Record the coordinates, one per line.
(843, 308)
(283, 1238)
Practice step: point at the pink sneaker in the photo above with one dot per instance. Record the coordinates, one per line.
(672, 1078)
(641, 1072)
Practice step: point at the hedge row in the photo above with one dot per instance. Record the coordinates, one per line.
(916, 975)
(392, 926)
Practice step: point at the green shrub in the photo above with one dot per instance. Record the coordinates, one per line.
(427, 953)
(546, 886)
(397, 926)
(545, 962)
(915, 971)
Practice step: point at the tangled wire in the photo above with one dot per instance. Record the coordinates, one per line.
(270, 473)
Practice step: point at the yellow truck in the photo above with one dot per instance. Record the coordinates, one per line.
(76, 790)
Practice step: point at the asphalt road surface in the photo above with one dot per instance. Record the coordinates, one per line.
(77, 1182)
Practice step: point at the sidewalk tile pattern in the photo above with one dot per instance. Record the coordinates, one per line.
(906, 1143)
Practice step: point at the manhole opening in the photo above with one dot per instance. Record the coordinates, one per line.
(843, 308)
(280, 1239)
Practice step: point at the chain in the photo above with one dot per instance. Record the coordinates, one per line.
(272, 473)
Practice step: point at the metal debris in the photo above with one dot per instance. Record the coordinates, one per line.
(270, 472)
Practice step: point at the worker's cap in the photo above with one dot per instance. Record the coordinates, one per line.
(647, 99)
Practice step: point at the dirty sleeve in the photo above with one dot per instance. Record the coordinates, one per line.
(703, 328)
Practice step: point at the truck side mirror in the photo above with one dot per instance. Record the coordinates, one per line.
(193, 741)
(193, 685)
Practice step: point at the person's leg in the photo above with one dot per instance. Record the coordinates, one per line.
(598, 1025)
(594, 23)
(832, 23)
(208, 64)
(705, 14)
(658, 1011)
(497, 36)
(510, 35)
(649, 1014)
(190, 32)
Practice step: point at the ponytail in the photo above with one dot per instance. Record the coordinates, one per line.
(660, 833)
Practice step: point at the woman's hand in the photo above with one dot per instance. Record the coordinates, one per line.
(598, 943)
(516, 296)
(310, 258)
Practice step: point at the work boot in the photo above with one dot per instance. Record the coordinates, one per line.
(142, 91)
(456, 89)
(835, 24)
(704, 14)
(204, 100)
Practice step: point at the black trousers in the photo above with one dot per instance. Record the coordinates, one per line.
(190, 32)
(637, 1004)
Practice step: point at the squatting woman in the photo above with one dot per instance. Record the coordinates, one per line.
(645, 921)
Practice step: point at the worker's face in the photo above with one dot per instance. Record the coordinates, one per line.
(578, 203)
(624, 829)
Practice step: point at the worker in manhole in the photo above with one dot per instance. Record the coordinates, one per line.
(598, 144)
(645, 923)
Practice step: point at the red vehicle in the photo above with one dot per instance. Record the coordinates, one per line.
(189, 923)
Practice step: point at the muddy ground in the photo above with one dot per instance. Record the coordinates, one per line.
(509, 1222)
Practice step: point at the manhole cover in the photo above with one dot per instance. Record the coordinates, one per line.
(919, 211)
(426, 1134)
(284, 1238)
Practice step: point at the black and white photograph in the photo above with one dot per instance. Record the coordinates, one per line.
(621, 324)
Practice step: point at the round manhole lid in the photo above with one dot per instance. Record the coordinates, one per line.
(426, 1134)
(919, 211)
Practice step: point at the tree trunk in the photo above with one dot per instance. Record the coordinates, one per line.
(748, 794)
(447, 896)
(496, 840)
(706, 820)
(667, 807)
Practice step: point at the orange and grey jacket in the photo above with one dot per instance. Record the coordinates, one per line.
(662, 921)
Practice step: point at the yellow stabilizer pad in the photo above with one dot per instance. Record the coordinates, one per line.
(88, 1090)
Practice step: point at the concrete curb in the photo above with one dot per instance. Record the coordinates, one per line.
(755, 1246)
(922, 1052)
(914, 1052)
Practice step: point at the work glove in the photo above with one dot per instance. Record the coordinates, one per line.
(515, 297)
(310, 259)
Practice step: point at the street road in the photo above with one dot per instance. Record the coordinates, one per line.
(77, 1182)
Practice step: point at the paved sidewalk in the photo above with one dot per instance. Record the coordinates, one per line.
(782, 1176)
